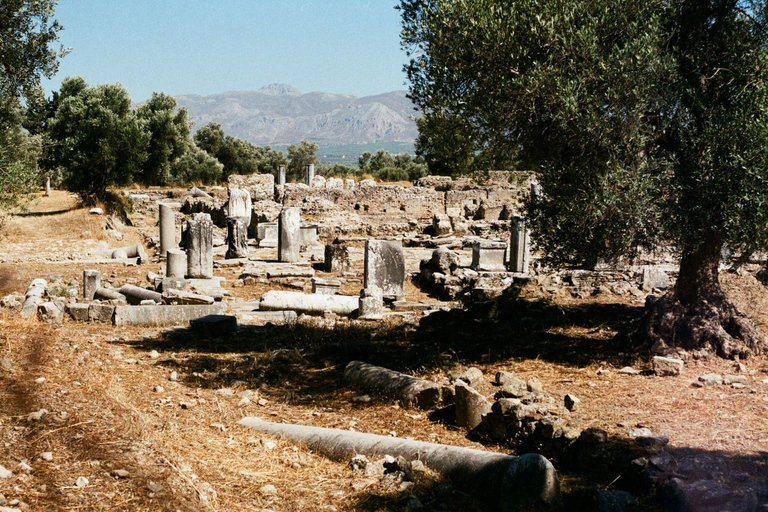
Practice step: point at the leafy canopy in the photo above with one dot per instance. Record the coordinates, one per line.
(647, 120)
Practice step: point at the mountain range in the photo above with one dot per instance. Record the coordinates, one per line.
(279, 114)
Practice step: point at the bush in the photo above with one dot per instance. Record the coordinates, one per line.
(393, 174)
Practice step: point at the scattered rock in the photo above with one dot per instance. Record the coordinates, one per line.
(120, 473)
(711, 379)
(268, 489)
(5, 473)
(37, 415)
(46, 456)
(535, 385)
(571, 402)
(667, 366)
(81, 481)
(628, 370)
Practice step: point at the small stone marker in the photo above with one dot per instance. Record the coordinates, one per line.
(384, 268)
(325, 286)
(91, 283)
(176, 263)
(336, 258)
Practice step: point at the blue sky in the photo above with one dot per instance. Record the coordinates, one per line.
(204, 47)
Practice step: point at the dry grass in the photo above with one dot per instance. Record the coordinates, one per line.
(184, 450)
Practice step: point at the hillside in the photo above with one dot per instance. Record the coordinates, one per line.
(279, 114)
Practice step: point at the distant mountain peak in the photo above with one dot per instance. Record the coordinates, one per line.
(280, 90)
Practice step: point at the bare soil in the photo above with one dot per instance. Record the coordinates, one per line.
(111, 404)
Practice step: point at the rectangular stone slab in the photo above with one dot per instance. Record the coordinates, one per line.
(163, 315)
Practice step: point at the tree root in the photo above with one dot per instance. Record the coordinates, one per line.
(713, 325)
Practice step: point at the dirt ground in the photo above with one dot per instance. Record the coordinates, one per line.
(147, 442)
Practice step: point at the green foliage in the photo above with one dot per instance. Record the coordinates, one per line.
(196, 166)
(382, 165)
(647, 121)
(336, 171)
(169, 138)
(236, 155)
(97, 140)
(298, 158)
(27, 33)
(19, 174)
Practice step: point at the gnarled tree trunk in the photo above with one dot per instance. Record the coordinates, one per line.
(696, 314)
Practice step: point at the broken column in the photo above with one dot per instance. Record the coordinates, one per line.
(199, 237)
(91, 283)
(237, 238)
(176, 264)
(281, 175)
(33, 297)
(132, 251)
(370, 305)
(308, 236)
(239, 204)
(384, 268)
(519, 242)
(309, 174)
(167, 229)
(137, 295)
(288, 240)
(488, 256)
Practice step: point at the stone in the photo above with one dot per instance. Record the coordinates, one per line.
(534, 385)
(571, 402)
(513, 388)
(163, 315)
(261, 187)
(444, 260)
(78, 312)
(91, 283)
(519, 246)
(470, 406)
(237, 238)
(33, 297)
(101, 313)
(176, 263)
(167, 230)
(288, 241)
(325, 286)
(628, 370)
(316, 304)
(239, 204)
(336, 258)
(109, 294)
(667, 366)
(318, 182)
(198, 192)
(81, 481)
(199, 244)
(266, 233)
(309, 174)
(384, 268)
(488, 256)
(5, 473)
(135, 294)
(214, 325)
(96, 211)
(174, 283)
(180, 297)
(711, 379)
(308, 236)
(654, 278)
(472, 376)
(441, 224)
(131, 251)
(50, 312)
(280, 175)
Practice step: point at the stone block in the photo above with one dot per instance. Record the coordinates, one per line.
(156, 316)
(91, 283)
(325, 286)
(471, 406)
(177, 297)
(288, 237)
(384, 268)
(199, 237)
(336, 258)
(50, 312)
(667, 366)
(101, 313)
(266, 233)
(488, 256)
(78, 312)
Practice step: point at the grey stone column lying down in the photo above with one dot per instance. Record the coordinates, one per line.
(506, 483)
(314, 304)
(408, 390)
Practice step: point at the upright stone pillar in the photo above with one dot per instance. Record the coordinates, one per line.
(288, 239)
(176, 264)
(167, 229)
(281, 175)
(519, 257)
(91, 283)
(309, 174)
(239, 205)
(48, 186)
(384, 268)
(200, 247)
(237, 235)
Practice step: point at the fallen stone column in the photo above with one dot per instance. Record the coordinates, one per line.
(410, 391)
(132, 251)
(33, 297)
(108, 294)
(277, 300)
(504, 482)
(135, 295)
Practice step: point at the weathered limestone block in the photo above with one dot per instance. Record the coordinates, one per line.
(50, 312)
(179, 297)
(199, 236)
(488, 256)
(334, 184)
(336, 258)
(654, 278)
(101, 313)
(78, 312)
(325, 286)
(176, 263)
(371, 305)
(667, 366)
(441, 224)
(261, 187)
(266, 233)
(308, 236)
(237, 238)
(385, 267)
(288, 239)
(91, 283)
(464, 203)
(470, 406)
(318, 182)
(132, 251)
(214, 325)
